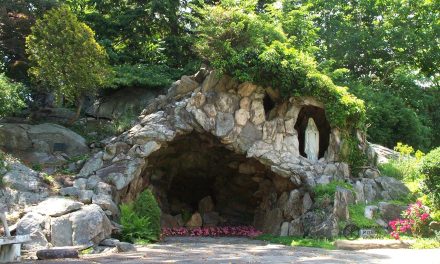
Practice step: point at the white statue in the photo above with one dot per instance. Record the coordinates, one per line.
(311, 142)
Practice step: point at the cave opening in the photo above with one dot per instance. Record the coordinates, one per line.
(318, 115)
(197, 174)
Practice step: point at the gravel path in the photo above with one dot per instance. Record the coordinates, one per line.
(242, 250)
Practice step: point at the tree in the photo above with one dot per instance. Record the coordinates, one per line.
(65, 56)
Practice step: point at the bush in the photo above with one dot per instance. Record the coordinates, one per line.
(416, 219)
(253, 47)
(430, 168)
(12, 96)
(141, 219)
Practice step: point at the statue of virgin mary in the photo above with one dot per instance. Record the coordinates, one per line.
(311, 142)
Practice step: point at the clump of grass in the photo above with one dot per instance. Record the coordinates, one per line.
(298, 241)
(356, 212)
(325, 193)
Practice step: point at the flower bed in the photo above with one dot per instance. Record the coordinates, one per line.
(244, 231)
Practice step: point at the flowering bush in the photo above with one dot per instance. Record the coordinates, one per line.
(247, 231)
(416, 219)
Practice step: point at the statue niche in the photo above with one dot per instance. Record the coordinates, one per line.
(313, 132)
(311, 140)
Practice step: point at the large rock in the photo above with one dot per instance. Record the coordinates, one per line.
(127, 101)
(36, 226)
(57, 206)
(392, 189)
(343, 198)
(206, 205)
(41, 144)
(328, 228)
(390, 211)
(211, 219)
(195, 221)
(90, 225)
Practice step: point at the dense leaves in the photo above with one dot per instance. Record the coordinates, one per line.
(253, 47)
(431, 170)
(12, 96)
(65, 56)
(141, 218)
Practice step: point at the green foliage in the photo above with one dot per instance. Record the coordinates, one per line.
(141, 219)
(12, 96)
(352, 155)
(430, 168)
(65, 56)
(298, 241)
(356, 212)
(426, 243)
(149, 76)
(253, 47)
(327, 191)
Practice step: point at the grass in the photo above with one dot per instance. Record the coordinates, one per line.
(356, 212)
(142, 242)
(298, 241)
(329, 189)
(426, 243)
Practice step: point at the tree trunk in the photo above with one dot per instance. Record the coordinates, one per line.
(78, 110)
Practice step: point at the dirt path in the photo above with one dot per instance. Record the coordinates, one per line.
(242, 250)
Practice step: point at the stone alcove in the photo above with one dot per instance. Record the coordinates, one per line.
(195, 173)
(318, 115)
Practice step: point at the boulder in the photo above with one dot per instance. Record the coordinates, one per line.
(343, 198)
(370, 211)
(206, 205)
(390, 211)
(125, 247)
(109, 242)
(393, 188)
(211, 219)
(168, 221)
(328, 228)
(130, 100)
(285, 227)
(90, 225)
(57, 206)
(296, 228)
(35, 225)
(195, 221)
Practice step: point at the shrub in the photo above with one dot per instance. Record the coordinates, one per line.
(430, 168)
(12, 96)
(416, 219)
(141, 219)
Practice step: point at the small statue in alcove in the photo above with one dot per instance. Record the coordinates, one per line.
(311, 142)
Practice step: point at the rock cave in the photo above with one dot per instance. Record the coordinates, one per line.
(196, 174)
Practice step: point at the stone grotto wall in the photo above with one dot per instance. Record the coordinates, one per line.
(250, 126)
(213, 152)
